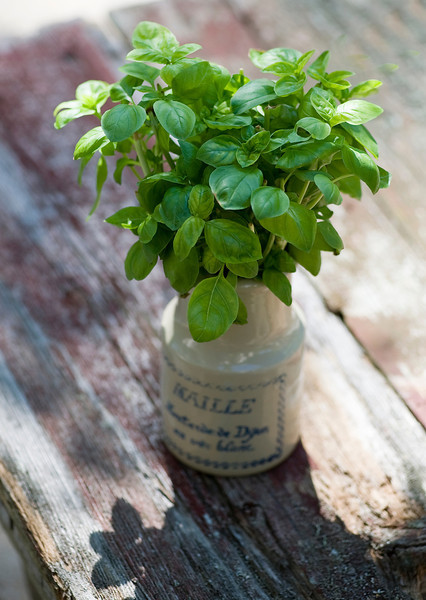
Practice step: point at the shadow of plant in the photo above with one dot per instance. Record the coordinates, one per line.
(257, 538)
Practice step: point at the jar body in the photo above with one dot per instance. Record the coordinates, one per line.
(231, 406)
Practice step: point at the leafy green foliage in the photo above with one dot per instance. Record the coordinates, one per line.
(233, 185)
(278, 283)
(177, 118)
(231, 242)
(235, 178)
(268, 202)
(212, 309)
(122, 121)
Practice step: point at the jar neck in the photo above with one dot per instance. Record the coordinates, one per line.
(267, 316)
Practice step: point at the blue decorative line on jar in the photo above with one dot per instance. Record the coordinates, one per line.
(222, 388)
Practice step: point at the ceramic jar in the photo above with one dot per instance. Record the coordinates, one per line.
(231, 406)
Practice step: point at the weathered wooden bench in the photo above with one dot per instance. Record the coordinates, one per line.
(96, 505)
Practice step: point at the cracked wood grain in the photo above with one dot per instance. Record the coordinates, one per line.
(80, 442)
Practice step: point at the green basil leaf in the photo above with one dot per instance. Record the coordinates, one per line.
(323, 104)
(233, 185)
(318, 67)
(151, 189)
(257, 142)
(147, 229)
(101, 177)
(231, 242)
(281, 137)
(242, 316)
(166, 176)
(83, 164)
(128, 218)
(302, 155)
(332, 81)
(264, 59)
(169, 72)
(122, 121)
(385, 178)
(185, 50)
(176, 118)
(250, 151)
(323, 212)
(330, 235)
(70, 114)
(195, 82)
(339, 75)
(245, 158)
(108, 149)
(136, 264)
(210, 262)
(90, 142)
(279, 285)
(329, 189)
(308, 175)
(188, 161)
(281, 68)
(298, 226)
(362, 165)
(141, 71)
(182, 274)
(153, 42)
(187, 236)
(290, 84)
(226, 121)
(232, 279)
(257, 91)
(69, 104)
(350, 185)
(268, 202)
(363, 136)
(219, 151)
(93, 93)
(221, 78)
(120, 165)
(284, 262)
(311, 261)
(318, 129)
(122, 91)
(201, 201)
(303, 60)
(212, 308)
(355, 112)
(246, 270)
(159, 242)
(173, 210)
(365, 88)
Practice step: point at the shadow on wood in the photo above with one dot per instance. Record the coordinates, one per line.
(294, 552)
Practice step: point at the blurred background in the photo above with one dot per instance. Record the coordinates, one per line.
(24, 17)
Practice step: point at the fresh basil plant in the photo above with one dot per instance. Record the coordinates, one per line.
(235, 178)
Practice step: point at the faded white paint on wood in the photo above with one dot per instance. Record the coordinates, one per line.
(100, 509)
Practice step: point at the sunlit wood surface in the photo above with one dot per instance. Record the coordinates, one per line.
(97, 506)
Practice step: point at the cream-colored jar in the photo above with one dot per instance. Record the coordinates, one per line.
(231, 406)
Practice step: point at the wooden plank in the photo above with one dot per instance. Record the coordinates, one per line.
(342, 518)
(253, 520)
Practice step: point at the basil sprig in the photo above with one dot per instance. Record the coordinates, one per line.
(235, 178)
